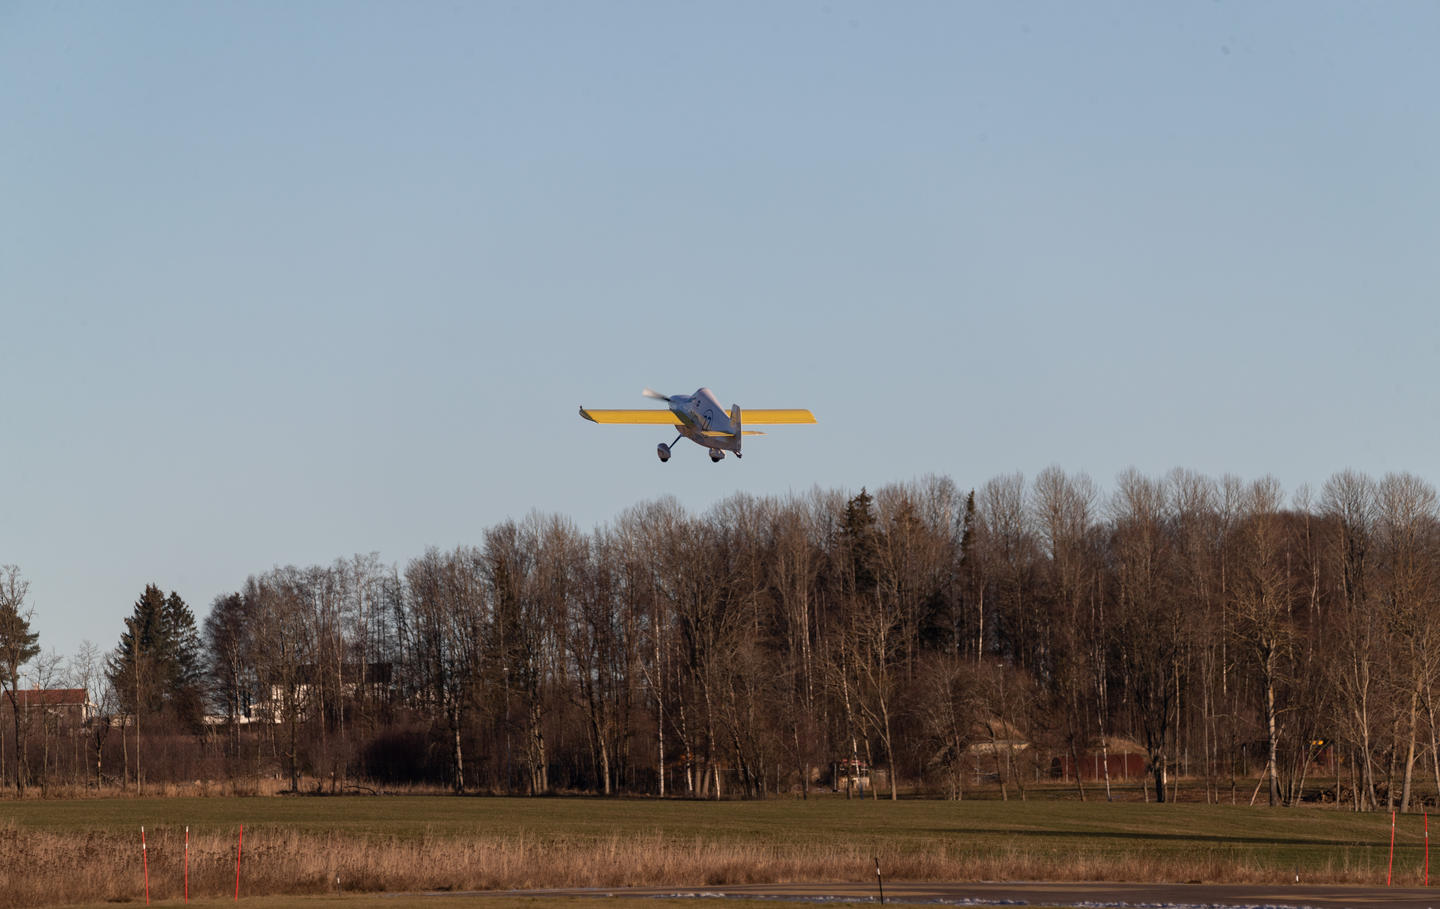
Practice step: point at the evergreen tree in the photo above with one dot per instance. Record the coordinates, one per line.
(187, 680)
(156, 666)
(859, 544)
(972, 583)
(967, 531)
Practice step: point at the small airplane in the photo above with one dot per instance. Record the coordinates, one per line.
(700, 419)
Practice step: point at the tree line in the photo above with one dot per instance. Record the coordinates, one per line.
(1230, 631)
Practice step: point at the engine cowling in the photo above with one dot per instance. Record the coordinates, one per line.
(663, 451)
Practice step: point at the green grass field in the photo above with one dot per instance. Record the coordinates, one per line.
(299, 844)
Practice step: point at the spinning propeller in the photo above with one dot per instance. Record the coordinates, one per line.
(652, 393)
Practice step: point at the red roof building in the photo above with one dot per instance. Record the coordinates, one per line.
(69, 703)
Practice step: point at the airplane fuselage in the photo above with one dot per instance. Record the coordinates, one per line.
(704, 421)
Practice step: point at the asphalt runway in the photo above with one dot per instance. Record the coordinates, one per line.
(1088, 894)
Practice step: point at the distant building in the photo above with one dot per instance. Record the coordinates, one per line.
(1117, 759)
(71, 706)
(353, 682)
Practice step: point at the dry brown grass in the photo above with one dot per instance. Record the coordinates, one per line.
(55, 852)
(239, 786)
(40, 868)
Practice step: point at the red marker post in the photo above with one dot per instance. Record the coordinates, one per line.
(145, 861)
(239, 849)
(1427, 849)
(187, 864)
(1390, 868)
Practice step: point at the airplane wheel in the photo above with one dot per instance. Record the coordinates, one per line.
(716, 454)
(663, 451)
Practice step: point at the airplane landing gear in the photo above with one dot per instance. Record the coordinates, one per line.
(663, 451)
(716, 455)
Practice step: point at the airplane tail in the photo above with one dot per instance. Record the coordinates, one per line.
(735, 427)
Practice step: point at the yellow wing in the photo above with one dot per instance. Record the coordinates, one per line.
(663, 417)
(668, 418)
(792, 415)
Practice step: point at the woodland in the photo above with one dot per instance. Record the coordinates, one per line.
(924, 639)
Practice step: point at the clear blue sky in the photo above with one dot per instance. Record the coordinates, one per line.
(286, 282)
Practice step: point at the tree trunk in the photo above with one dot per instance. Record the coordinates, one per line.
(605, 765)
(1105, 760)
(800, 764)
(854, 768)
(890, 753)
(19, 744)
(538, 759)
(1410, 752)
(292, 749)
(1390, 780)
(125, 757)
(999, 765)
(870, 767)
(457, 754)
(1157, 768)
(659, 717)
(1272, 733)
(1075, 762)
(1434, 741)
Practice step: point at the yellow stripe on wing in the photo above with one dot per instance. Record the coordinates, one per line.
(663, 417)
(792, 415)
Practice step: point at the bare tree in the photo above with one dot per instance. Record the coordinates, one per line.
(449, 611)
(1148, 629)
(1009, 552)
(914, 560)
(17, 647)
(1064, 513)
(229, 632)
(601, 646)
(874, 642)
(530, 577)
(952, 711)
(794, 575)
(285, 657)
(646, 532)
(45, 674)
(1348, 501)
(1408, 536)
(1262, 604)
(87, 670)
(708, 627)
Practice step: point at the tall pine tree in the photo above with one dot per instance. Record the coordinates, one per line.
(859, 544)
(156, 666)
